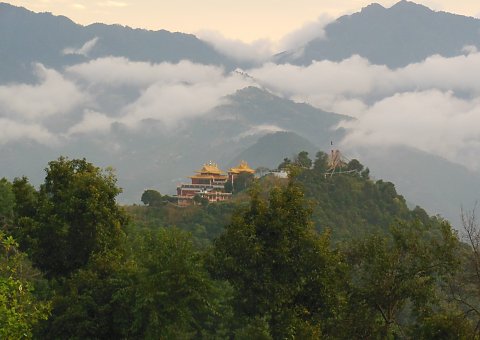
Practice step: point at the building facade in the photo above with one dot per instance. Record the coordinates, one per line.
(209, 183)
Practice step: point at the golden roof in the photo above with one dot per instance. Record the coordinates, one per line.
(209, 176)
(242, 167)
(210, 168)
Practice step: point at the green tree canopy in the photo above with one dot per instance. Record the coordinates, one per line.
(302, 160)
(280, 268)
(77, 216)
(7, 202)
(396, 273)
(152, 198)
(242, 181)
(20, 310)
(174, 297)
(286, 162)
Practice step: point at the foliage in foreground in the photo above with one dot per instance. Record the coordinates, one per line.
(269, 274)
(20, 309)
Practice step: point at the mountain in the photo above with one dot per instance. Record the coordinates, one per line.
(397, 36)
(56, 41)
(261, 110)
(350, 205)
(253, 123)
(438, 185)
(271, 149)
(159, 157)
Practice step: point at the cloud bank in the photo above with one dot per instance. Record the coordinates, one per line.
(84, 50)
(308, 32)
(433, 105)
(261, 50)
(88, 98)
(53, 95)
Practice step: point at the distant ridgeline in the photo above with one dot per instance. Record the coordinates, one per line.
(343, 199)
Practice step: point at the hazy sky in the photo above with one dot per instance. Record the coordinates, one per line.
(247, 20)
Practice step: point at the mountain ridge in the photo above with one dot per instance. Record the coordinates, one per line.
(405, 33)
(28, 37)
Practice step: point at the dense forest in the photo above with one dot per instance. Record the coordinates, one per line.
(321, 254)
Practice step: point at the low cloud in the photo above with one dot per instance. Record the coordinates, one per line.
(165, 92)
(468, 49)
(308, 32)
(120, 72)
(256, 51)
(432, 121)
(259, 130)
(52, 96)
(84, 50)
(262, 50)
(12, 131)
(355, 77)
(92, 122)
(173, 103)
(432, 105)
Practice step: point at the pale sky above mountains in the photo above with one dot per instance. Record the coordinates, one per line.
(246, 20)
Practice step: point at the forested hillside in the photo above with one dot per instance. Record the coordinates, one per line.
(323, 254)
(350, 205)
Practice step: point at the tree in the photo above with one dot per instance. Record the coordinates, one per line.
(280, 268)
(152, 198)
(321, 162)
(77, 216)
(20, 310)
(286, 162)
(174, 297)
(354, 164)
(242, 181)
(26, 198)
(199, 200)
(464, 286)
(26, 204)
(303, 161)
(393, 272)
(7, 203)
(94, 302)
(228, 187)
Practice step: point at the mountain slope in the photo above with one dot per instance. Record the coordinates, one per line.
(440, 186)
(271, 149)
(397, 36)
(27, 37)
(264, 110)
(156, 156)
(350, 205)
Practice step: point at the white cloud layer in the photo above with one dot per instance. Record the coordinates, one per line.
(173, 103)
(11, 131)
(120, 72)
(92, 122)
(84, 50)
(432, 121)
(257, 51)
(433, 105)
(52, 96)
(262, 50)
(308, 32)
